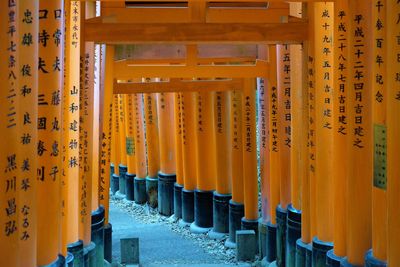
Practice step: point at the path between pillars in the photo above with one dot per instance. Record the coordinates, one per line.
(158, 244)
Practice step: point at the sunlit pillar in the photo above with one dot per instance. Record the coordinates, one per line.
(50, 70)
(340, 130)
(378, 39)
(105, 141)
(10, 125)
(299, 150)
(284, 146)
(166, 176)
(27, 108)
(86, 231)
(223, 140)
(360, 169)
(189, 154)
(393, 130)
(72, 220)
(322, 242)
(152, 146)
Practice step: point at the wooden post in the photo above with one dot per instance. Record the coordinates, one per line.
(222, 195)
(206, 168)
(340, 128)
(49, 131)
(378, 39)
(189, 154)
(360, 138)
(86, 128)
(323, 16)
(152, 145)
(153, 157)
(178, 137)
(122, 144)
(106, 124)
(130, 145)
(27, 107)
(284, 122)
(393, 133)
(167, 140)
(298, 149)
(10, 126)
(72, 215)
(96, 128)
(140, 150)
(178, 186)
(273, 136)
(166, 177)
(250, 177)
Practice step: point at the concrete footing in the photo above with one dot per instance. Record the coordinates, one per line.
(245, 245)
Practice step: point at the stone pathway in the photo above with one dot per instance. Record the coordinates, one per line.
(158, 244)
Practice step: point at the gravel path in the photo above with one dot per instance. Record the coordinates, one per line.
(162, 241)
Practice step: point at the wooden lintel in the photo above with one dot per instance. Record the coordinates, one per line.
(161, 51)
(122, 71)
(182, 61)
(195, 33)
(177, 85)
(182, 15)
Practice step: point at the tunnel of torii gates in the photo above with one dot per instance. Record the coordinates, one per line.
(195, 107)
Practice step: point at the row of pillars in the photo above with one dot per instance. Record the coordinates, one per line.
(328, 142)
(52, 208)
(326, 148)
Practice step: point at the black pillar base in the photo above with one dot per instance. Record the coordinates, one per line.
(114, 184)
(152, 191)
(130, 191)
(251, 225)
(309, 255)
(97, 233)
(220, 215)
(236, 213)
(90, 256)
(112, 169)
(319, 250)
(203, 208)
(281, 221)
(293, 233)
(140, 190)
(271, 242)
(76, 249)
(301, 254)
(61, 261)
(371, 261)
(187, 206)
(122, 179)
(178, 200)
(166, 193)
(108, 242)
(332, 260)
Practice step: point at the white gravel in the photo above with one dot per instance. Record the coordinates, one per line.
(148, 215)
